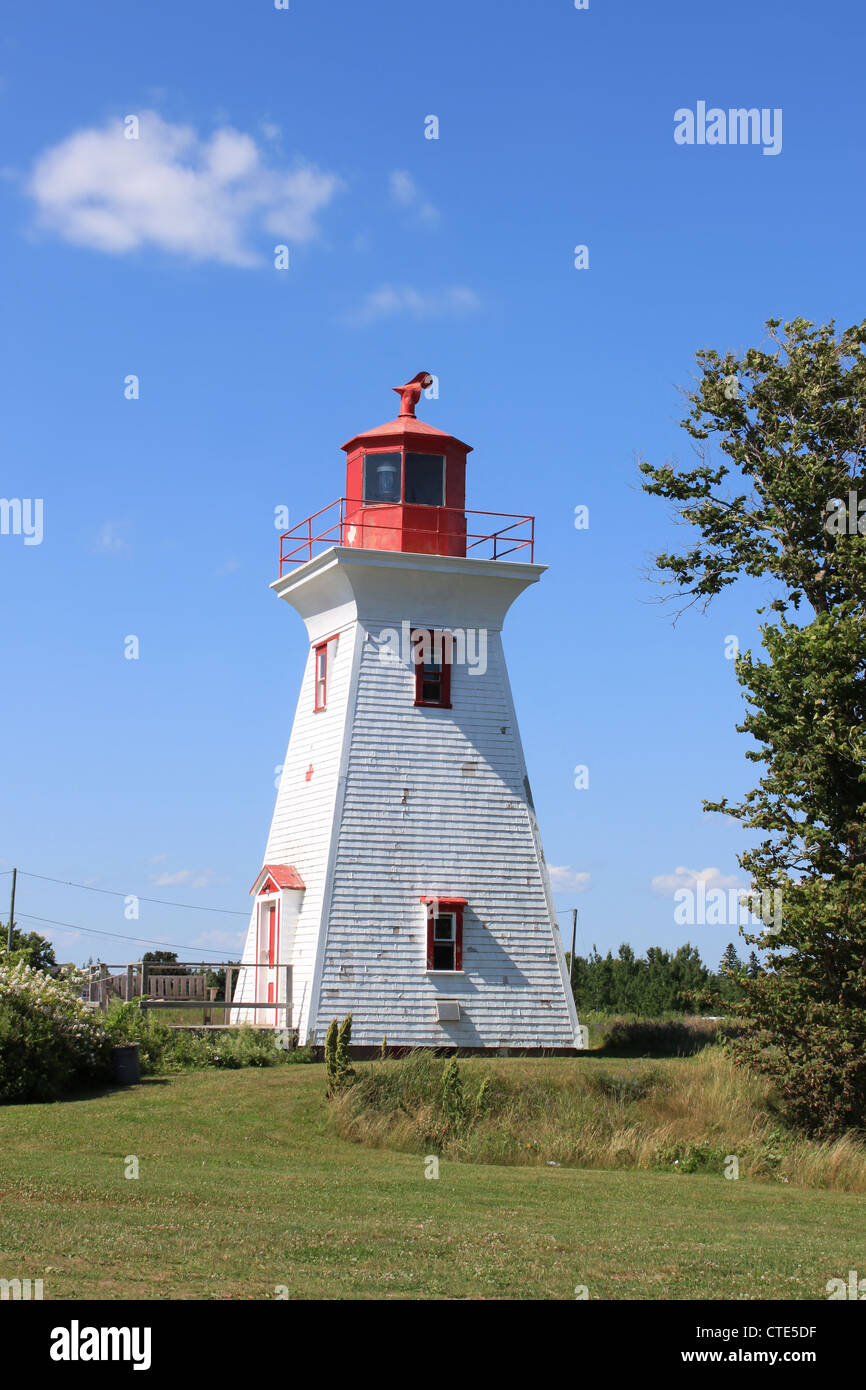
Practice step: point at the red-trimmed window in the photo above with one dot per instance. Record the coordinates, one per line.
(321, 677)
(444, 933)
(432, 653)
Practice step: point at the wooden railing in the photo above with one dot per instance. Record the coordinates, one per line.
(185, 988)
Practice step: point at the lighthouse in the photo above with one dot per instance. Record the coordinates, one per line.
(404, 879)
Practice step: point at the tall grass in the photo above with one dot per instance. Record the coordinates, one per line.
(686, 1115)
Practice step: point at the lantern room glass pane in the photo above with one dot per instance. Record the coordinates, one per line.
(425, 480)
(382, 477)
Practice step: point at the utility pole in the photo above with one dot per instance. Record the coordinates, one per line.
(573, 941)
(11, 912)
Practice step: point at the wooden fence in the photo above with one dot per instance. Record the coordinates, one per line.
(184, 988)
(178, 987)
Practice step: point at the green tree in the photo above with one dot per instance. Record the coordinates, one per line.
(31, 948)
(629, 981)
(690, 977)
(603, 981)
(216, 979)
(167, 960)
(658, 983)
(789, 421)
(730, 964)
(728, 980)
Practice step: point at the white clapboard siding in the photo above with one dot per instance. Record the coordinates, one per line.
(405, 802)
(302, 827)
(435, 801)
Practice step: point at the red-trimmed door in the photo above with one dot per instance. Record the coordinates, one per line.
(266, 960)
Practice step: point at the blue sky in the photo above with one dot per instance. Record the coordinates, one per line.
(306, 128)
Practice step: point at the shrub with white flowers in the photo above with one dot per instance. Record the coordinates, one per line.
(50, 1043)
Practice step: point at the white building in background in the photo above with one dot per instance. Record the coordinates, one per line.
(404, 879)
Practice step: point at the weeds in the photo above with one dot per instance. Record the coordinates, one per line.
(686, 1115)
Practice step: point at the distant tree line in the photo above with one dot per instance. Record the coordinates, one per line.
(660, 982)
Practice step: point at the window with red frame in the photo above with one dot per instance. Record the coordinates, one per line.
(321, 677)
(444, 933)
(432, 655)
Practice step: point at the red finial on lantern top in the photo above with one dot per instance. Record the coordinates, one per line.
(410, 394)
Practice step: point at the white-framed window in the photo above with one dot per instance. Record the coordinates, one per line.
(321, 678)
(444, 941)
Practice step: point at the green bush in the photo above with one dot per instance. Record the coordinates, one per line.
(623, 1087)
(668, 1037)
(405, 1085)
(162, 1049)
(701, 1156)
(50, 1044)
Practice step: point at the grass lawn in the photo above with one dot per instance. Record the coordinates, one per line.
(244, 1187)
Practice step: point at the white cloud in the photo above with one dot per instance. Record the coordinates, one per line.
(232, 941)
(193, 878)
(563, 878)
(690, 878)
(207, 199)
(389, 300)
(403, 188)
(406, 192)
(110, 540)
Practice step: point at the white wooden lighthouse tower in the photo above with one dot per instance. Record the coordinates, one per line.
(404, 879)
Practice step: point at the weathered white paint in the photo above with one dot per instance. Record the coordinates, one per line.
(404, 802)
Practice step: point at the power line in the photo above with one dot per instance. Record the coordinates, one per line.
(113, 892)
(91, 931)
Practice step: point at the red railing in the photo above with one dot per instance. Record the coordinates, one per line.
(448, 535)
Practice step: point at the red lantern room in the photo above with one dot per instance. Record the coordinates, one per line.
(406, 491)
(406, 484)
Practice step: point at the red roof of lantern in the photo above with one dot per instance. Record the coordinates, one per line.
(408, 426)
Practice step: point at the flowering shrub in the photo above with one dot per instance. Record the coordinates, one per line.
(49, 1042)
